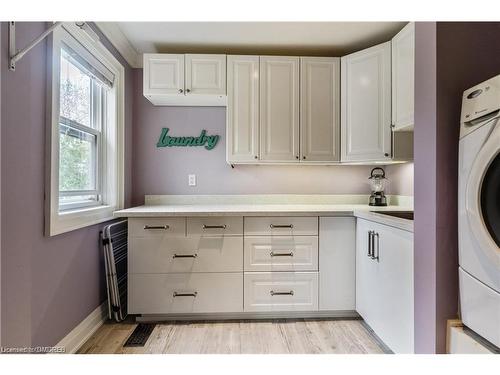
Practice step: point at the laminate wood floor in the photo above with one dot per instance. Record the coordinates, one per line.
(297, 336)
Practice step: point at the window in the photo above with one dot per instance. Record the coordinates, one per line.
(81, 113)
(86, 145)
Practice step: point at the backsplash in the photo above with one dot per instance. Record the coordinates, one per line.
(165, 170)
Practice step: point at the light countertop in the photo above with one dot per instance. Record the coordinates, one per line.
(271, 205)
(392, 221)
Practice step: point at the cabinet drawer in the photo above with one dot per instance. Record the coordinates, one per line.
(277, 253)
(185, 293)
(157, 227)
(206, 226)
(281, 226)
(185, 254)
(281, 291)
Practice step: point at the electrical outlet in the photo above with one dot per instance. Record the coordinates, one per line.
(192, 180)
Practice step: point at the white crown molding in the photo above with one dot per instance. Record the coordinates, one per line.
(82, 332)
(118, 39)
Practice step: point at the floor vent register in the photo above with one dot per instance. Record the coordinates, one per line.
(140, 335)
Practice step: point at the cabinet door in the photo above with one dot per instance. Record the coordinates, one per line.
(366, 104)
(337, 263)
(243, 108)
(163, 74)
(403, 77)
(279, 108)
(319, 108)
(205, 74)
(393, 320)
(384, 283)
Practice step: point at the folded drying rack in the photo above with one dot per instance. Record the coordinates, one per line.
(114, 240)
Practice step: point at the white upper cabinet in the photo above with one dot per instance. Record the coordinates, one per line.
(185, 80)
(205, 74)
(279, 108)
(403, 78)
(163, 74)
(366, 105)
(320, 109)
(242, 108)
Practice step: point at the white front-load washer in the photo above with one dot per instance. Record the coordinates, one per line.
(479, 209)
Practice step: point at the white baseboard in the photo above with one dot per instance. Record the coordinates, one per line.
(144, 318)
(87, 327)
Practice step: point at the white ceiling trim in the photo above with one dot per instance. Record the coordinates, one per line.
(115, 35)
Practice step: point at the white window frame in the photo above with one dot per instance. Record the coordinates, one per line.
(56, 221)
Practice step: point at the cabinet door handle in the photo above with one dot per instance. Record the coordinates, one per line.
(372, 245)
(181, 91)
(378, 247)
(273, 254)
(185, 256)
(181, 294)
(278, 293)
(370, 233)
(188, 91)
(214, 226)
(273, 226)
(150, 227)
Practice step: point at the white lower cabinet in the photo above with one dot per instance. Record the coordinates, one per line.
(281, 226)
(157, 227)
(384, 283)
(281, 291)
(214, 226)
(185, 293)
(337, 263)
(228, 264)
(185, 254)
(273, 253)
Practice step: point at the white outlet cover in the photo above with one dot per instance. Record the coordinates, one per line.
(192, 180)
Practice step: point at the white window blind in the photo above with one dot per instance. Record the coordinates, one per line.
(86, 61)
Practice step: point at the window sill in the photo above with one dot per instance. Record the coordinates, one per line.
(68, 221)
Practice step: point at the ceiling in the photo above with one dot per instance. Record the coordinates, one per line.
(297, 38)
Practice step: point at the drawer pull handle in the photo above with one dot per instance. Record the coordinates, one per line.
(185, 256)
(214, 226)
(163, 227)
(273, 293)
(177, 294)
(281, 226)
(273, 254)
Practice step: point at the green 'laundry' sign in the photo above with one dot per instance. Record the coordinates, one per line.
(209, 141)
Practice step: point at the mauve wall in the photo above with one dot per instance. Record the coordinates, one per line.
(450, 57)
(425, 188)
(49, 284)
(165, 170)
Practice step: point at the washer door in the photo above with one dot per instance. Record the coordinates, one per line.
(490, 199)
(483, 197)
